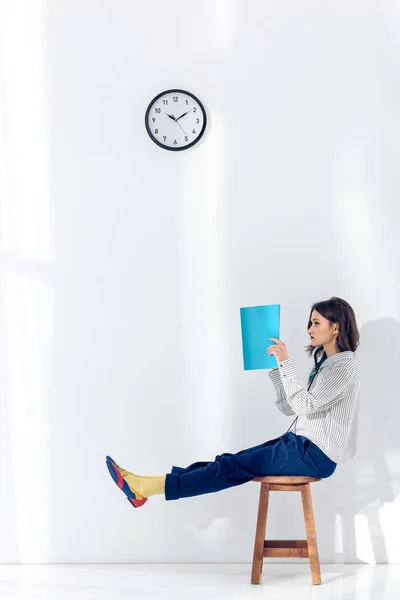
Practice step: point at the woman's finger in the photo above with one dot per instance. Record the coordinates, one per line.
(278, 341)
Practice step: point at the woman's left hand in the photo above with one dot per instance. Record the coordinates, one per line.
(278, 350)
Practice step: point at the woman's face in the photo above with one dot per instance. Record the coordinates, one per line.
(322, 331)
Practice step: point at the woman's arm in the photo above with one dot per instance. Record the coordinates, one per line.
(328, 389)
(280, 393)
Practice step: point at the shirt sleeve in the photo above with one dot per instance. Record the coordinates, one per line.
(281, 402)
(327, 391)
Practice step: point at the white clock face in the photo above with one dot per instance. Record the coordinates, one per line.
(175, 120)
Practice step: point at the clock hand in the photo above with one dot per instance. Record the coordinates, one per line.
(183, 115)
(180, 126)
(176, 120)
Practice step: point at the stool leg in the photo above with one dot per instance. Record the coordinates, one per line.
(260, 534)
(310, 533)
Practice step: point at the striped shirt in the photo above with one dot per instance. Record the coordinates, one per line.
(328, 412)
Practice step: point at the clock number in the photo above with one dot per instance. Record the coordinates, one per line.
(153, 119)
(175, 98)
(195, 109)
(187, 101)
(164, 137)
(186, 138)
(197, 120)
(165, 102)
(175, 142)
(194, 131)
(158, 110)
(156, 131)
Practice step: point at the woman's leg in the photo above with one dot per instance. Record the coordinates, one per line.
(228, 470)
(198, 478)
(288, 455)
(200, 465)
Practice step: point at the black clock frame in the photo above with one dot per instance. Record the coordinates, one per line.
(149, 130)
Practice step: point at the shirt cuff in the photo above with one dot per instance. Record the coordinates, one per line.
(286, 368)
(275, 378)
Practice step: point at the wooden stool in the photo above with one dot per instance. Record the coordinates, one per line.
(285, 548)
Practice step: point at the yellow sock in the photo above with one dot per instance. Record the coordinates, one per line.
(145, 486)
(125, 472)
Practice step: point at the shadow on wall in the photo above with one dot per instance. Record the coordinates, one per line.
(346, 505)
(362, 486)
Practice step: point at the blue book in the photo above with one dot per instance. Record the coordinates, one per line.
(259, 324)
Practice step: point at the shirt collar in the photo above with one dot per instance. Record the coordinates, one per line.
(336, 358)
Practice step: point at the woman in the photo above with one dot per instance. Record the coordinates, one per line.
(325, 429)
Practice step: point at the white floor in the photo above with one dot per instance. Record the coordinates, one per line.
(200, 581)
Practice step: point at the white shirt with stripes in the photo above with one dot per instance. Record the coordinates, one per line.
(328, 412)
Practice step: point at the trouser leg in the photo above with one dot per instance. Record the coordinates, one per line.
(228, 470)
(199, 465)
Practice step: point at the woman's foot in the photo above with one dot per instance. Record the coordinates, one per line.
(135, 499)
(137, 488)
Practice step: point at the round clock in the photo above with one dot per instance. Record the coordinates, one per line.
(175, 120)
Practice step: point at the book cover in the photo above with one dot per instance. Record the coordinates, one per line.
(259, 324)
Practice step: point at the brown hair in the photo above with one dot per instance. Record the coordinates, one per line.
(340, 312)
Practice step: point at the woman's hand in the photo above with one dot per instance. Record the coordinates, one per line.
(278, 350)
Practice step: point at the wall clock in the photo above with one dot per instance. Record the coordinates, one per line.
(175, 120)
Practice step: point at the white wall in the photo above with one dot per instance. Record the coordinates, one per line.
(123, 266)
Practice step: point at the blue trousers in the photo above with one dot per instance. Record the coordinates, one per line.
(290, 454)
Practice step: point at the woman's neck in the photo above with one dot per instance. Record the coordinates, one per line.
(330, 350)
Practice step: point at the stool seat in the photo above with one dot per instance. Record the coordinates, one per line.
(286, 479)
(285, 548)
